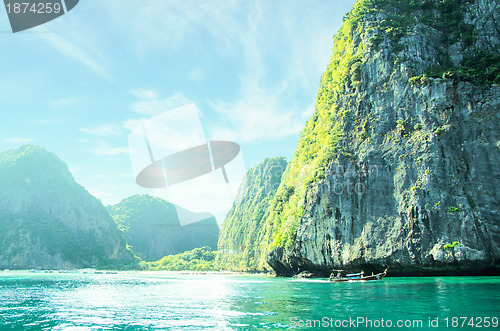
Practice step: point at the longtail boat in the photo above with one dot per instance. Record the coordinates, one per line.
(337, 276)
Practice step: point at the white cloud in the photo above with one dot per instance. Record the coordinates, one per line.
(105, 148)
(144, 94)
(197, 75)
(92, 60)
(102, 130)
(257, 116)
(150, 104)
(208, 192)
(63, 103)
(283, 56)
(133, 123)
(164, 24)
(265, 107)
(48, 120)
(308, 112)
(152, 107)
(170, 132)
(224, 133)
(17, 140)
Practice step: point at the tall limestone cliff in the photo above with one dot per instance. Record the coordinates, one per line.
(241, 246)
(151, 227)
(399, 164)
(49, 221)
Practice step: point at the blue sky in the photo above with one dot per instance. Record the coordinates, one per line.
(77, 85)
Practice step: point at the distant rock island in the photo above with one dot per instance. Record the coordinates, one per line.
(48, 221)
(399, 164)
(151, 227)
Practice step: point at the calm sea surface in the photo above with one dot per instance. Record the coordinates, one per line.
(147, 301)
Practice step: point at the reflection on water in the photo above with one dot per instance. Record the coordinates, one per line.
(145, 301)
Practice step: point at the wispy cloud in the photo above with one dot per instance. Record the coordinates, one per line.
(64, 103)
(133, 123)
(265, 107)
(159, 25)
(308, 112)
(48, 121)
(145, 94)
(283, 48)
(102, 130)
(197, 75)
(150, 104)
(257, 116)
(282, 55)
(105, 148)
(17, 140)
(94, 61)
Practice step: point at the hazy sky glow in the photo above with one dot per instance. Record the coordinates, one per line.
(79, 84)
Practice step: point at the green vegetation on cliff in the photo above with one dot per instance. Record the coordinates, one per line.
(241, 246)
(138, 210)
(378, 33)
(319, 140)
(449, 18)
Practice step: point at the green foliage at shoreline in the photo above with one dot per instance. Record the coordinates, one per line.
(198, 259)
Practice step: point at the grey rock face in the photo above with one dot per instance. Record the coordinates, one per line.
(48, 220)
(417, 188)
(151, 227)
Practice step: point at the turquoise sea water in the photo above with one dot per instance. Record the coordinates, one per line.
(147, 301)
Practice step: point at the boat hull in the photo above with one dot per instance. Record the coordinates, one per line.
(378, 276)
